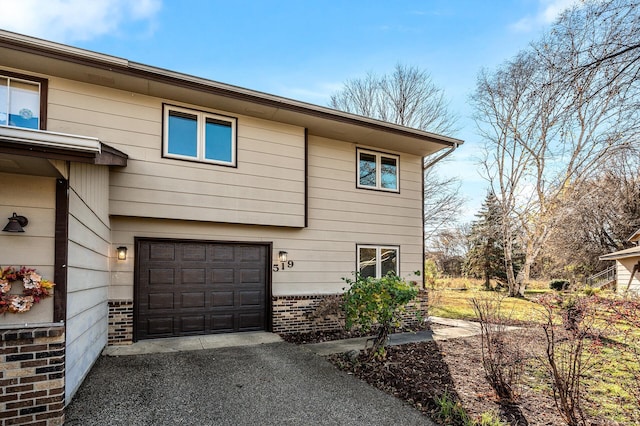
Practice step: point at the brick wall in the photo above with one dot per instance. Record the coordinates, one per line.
(297, 314)
(32, 376)
(120, 322)
(293, 314)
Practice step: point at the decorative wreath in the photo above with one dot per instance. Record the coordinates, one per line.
(35, 289)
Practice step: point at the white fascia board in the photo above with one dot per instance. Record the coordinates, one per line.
(49, 139)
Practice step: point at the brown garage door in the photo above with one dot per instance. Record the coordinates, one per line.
(191, 287)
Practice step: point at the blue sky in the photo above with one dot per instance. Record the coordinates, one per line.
(304, 49)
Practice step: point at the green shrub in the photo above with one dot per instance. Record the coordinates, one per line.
(377, 303)
(559, 285)
(451, 412)
(590, 291)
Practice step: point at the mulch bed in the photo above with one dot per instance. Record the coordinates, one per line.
(420, 372)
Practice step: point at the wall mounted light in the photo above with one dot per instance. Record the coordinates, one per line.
(16, 223)
(122, 253)
(282, 256)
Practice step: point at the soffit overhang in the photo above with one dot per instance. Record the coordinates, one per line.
(58, 146)
(53, 59)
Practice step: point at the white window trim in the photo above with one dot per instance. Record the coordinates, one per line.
(378, 156)
(201, 121)
(379, 249)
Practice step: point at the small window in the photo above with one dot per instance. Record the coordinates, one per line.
(20, 102)
(377, 170)
(377, 261)
(199, 136)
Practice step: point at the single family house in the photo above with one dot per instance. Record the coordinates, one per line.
(627, 266)
(162, 204)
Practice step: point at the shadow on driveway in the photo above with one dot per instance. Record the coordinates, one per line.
(268, 384)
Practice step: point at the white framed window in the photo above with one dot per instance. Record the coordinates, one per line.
(20, 101)
(378, 170)
(377, 261)
(199, 136)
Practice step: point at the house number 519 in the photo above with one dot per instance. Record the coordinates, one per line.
(282, 266)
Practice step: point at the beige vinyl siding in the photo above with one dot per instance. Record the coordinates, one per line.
(88, 273)
(340, 216)
(34, 198)
(625, 267)
(266, 188)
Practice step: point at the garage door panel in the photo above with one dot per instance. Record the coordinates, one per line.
(222, 322)
(193, 300)
(250, 298)
(193, 276)
(221, 299)
(192, 324)
(159, 326)
(161, 276)
(186, 288)
(249, 254)
(162, 251)
(222, 275)
(194, 252)
(160, 301)
(250, 321)
(223, 253)
(250, 276)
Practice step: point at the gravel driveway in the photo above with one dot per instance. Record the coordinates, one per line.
(268, 384)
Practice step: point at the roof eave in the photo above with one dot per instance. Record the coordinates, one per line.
(322, 121)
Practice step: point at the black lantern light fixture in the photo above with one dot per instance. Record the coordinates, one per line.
(122, 253)
(16, 223)
(282, 256)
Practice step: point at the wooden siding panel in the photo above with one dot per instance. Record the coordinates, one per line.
(83, 349)
(340, 216)
(270, 159)
(88, 270)
(625, 266)
(34, 198)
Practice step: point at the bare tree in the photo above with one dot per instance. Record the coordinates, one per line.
(409, 97)
(546, 134)
(611, 28)
(602, 213)
(442, 201)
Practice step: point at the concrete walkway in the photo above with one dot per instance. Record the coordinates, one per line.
(449, 329)
(193, 343)
(452, 329)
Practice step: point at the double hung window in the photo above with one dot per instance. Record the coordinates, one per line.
(378, 170)
(20, 102)
(199, 136)
(377, 261)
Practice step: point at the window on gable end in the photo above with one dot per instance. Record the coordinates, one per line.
(377, 170)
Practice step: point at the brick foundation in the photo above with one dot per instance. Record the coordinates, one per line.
(291, 314)
(32, 376)
(120, 322)
(296, 314)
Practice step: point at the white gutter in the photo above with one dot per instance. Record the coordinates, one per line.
(440, 157)
(49, 139)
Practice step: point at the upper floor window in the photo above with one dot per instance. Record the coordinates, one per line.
(377, 261)
(200, 136)
(377, 170)
(20, 101)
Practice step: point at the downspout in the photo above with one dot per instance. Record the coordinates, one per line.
(439, 157)
(425, 167)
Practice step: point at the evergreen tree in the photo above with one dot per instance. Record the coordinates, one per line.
(486, 252)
